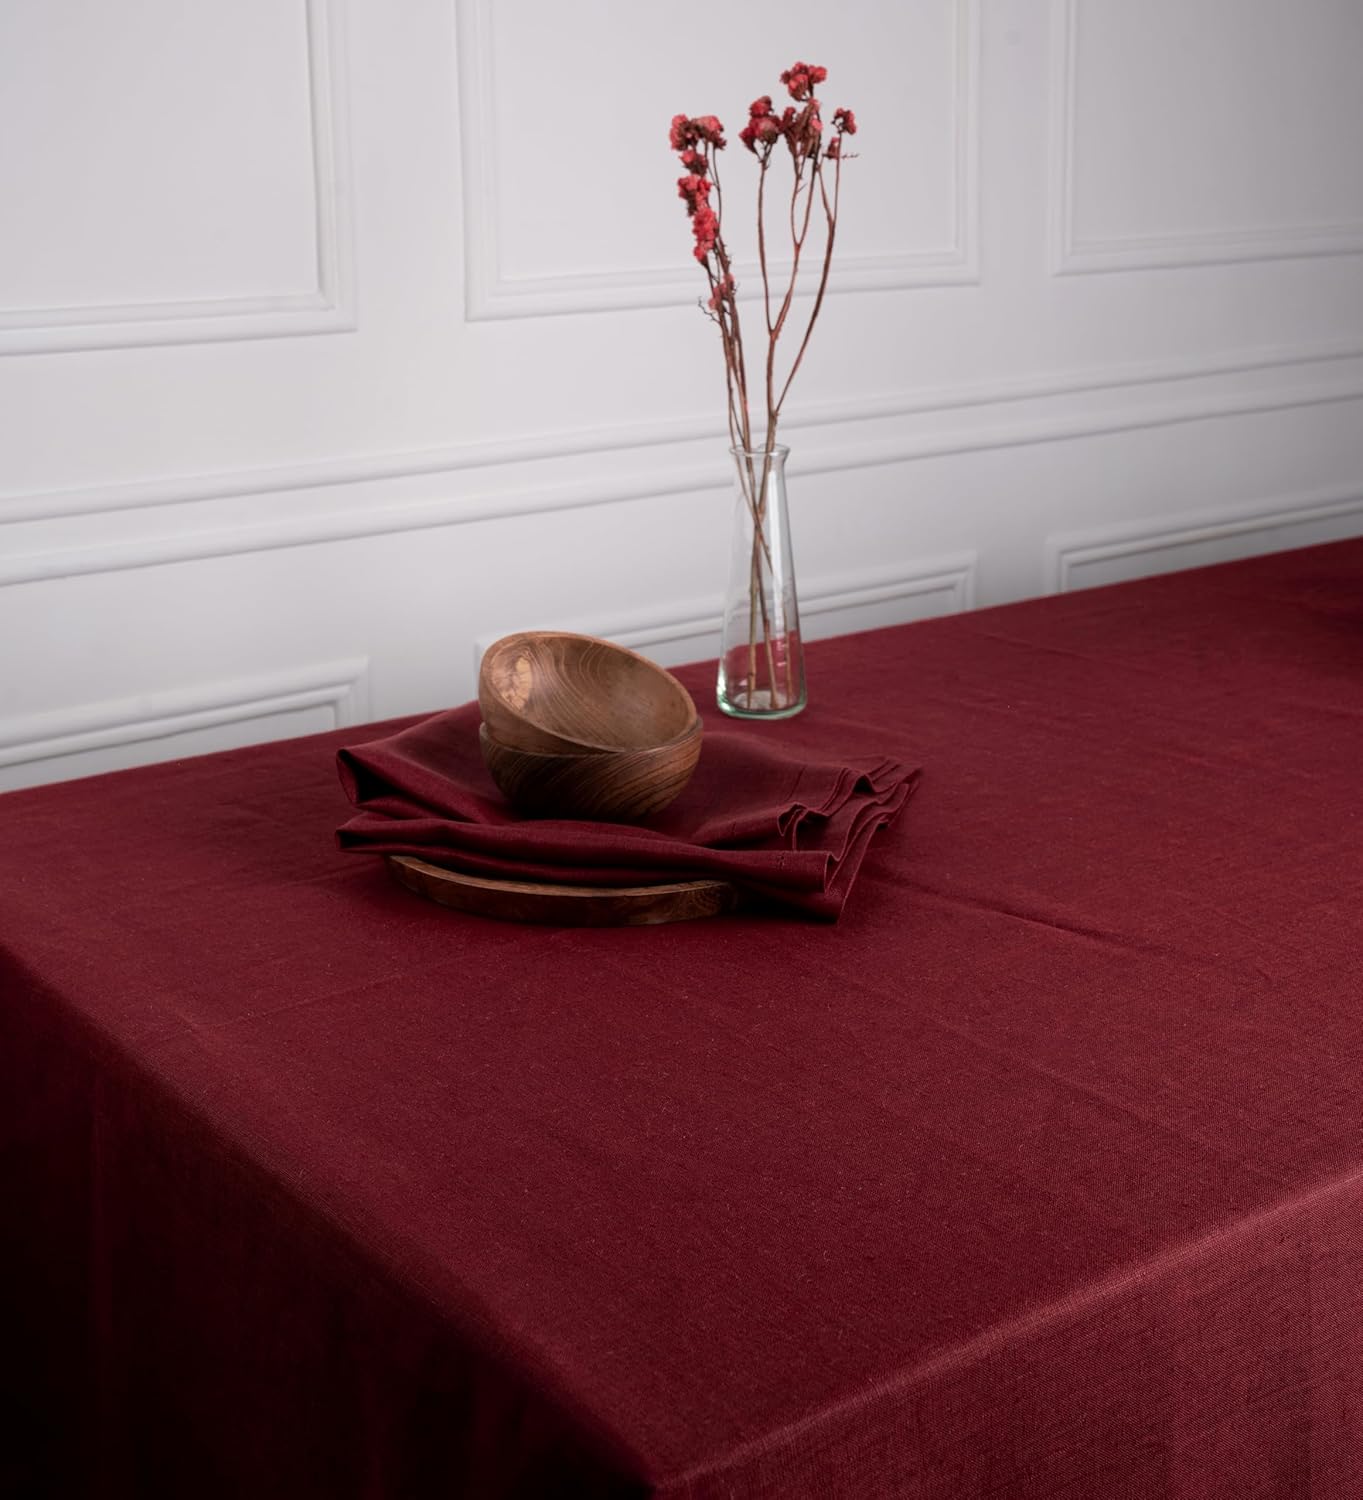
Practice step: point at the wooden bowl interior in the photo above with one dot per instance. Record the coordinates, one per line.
(544, 691)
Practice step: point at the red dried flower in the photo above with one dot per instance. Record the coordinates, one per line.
(802, 130)
(705, 227)
(695, 189)
(693, 161)
(800, 79)
(762, 125)
(686, 132)
(845, 120)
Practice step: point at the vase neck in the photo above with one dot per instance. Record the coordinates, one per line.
(776, 454)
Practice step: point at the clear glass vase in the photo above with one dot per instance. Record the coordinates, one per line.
(761, 660)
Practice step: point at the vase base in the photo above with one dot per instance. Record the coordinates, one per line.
(759, 708)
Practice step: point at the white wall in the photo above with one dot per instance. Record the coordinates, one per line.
(338, 335)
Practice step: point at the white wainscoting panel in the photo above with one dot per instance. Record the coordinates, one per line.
(1189, 132)
(536, 245)
(1119, 553)
(108, 736)
(207, 219)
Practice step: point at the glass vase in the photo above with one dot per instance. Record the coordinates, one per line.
(761, 660)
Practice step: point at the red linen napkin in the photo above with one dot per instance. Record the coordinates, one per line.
(790, 830)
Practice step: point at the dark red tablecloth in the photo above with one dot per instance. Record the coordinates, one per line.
(1039, 1175)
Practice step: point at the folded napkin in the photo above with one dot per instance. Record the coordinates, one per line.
(789, 830)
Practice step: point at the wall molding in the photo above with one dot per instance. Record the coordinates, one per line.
(1071, 255)
(191, 489)
(953, 578)
(327, 308)
(488, 293)
(341, 686)
(1067, 556)
(185, 543)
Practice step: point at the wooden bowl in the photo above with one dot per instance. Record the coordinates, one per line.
(551, 692)
(612, 786)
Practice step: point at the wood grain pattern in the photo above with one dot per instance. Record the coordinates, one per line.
(555, 692)
(565, 905)
(620, 786)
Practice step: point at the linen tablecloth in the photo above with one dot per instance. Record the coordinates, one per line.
(1039, 1175)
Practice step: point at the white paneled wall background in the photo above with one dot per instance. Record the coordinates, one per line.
(338, 337)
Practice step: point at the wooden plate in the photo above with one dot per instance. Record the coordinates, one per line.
(565, 905)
